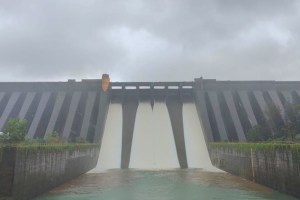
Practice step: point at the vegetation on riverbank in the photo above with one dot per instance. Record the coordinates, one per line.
(246, 147)
(16, 133)
(54, 147)
(280, 125)
(38, 147)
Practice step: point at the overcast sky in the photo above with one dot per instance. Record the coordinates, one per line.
(150, 40)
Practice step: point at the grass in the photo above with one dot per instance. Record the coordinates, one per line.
(51, 147)
(246, 147)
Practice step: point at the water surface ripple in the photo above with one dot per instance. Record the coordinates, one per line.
(161, 185)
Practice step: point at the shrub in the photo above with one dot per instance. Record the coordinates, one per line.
(292, 119)
(4, 138)
(258, 133)
(15, 131)
(297, 137)
(53, 138)
(80, 140)
(275, 120)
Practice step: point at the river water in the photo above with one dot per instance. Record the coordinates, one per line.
(161, 185)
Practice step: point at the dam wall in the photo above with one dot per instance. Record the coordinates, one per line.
(72, 109)
(273, 165)
(226, 110)
(27, 171)
(229, 109)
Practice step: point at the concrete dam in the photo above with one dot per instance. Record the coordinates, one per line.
(145, 124)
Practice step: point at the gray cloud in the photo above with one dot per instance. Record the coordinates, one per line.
(159, 40)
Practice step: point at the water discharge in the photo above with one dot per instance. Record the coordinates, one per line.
(142, 150)
(165, 151)
(196, 149)
(153, 145)
(110, 152)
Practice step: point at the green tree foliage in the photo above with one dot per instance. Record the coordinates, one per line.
(15, 131)
(258, 133)
(292, 120)
(80, 140)
(285, 126)
(276, 121)
(53, 138)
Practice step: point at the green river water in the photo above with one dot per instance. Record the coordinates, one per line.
(160, 185)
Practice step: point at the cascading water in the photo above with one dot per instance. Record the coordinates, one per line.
(110, 152)
(153, 145)
(142, 150)
(165, 149)
(196, 149)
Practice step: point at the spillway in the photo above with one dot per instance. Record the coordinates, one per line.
(110, 152)
(142, 151)
(153, 145)
(196, 149)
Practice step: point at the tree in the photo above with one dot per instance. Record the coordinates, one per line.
(275, 120)
(15, 131)
(258, 133)
(53, 138)
(292, 120)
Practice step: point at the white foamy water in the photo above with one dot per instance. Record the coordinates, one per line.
(153, 145)
(111, 146)
(142, 151)
(165, 149)
(196, 149)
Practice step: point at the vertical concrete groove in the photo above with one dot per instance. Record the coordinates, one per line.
(129, 109)
(55, 112)
(287, 96)
(9, 107)
(39, 112)
(276, 100)
(211, 118)
(101, 117)
(248, 108)
(213, 97)
(1, 96)
(176, 117)
(203, 115)
(28, 100)
(70, 118)
(261, 102)
(233, 112)
(42, 126)
(298, 93)
(87, 114)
